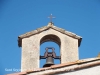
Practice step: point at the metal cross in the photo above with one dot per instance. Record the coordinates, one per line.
(51, 17)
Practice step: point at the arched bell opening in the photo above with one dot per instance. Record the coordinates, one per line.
(50, 41)
(52, 38)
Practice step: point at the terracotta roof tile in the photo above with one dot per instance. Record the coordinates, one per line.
(64, 65)
(20, 73)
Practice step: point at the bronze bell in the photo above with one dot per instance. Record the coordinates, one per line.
(49, 57)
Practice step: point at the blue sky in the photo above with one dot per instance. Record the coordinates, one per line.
(20, 16)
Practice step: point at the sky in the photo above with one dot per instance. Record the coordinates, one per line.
(17, 17)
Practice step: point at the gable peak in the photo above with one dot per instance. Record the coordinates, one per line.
(50, 24)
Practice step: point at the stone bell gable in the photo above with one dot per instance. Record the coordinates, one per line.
(50, 25)
(31, 41)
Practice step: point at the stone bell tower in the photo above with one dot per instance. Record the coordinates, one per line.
(31, 41)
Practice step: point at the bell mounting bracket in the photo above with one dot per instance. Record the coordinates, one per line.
(50, 54)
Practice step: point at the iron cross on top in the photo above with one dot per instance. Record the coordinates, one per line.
(51, 17)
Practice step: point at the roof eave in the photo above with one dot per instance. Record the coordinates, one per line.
(45, 28)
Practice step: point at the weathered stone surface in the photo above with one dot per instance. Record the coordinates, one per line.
(87, 68)
(31, 45)
(84, 66)
(50, 25)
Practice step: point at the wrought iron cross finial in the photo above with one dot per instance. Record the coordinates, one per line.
(51, 17)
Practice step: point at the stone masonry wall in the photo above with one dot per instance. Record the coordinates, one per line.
(31, 49)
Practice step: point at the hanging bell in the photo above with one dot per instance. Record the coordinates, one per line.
(49, 62)
(49, 57)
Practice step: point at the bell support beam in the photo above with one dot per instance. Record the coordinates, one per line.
(43, 57)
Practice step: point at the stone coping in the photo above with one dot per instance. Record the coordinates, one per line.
(50, 25)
